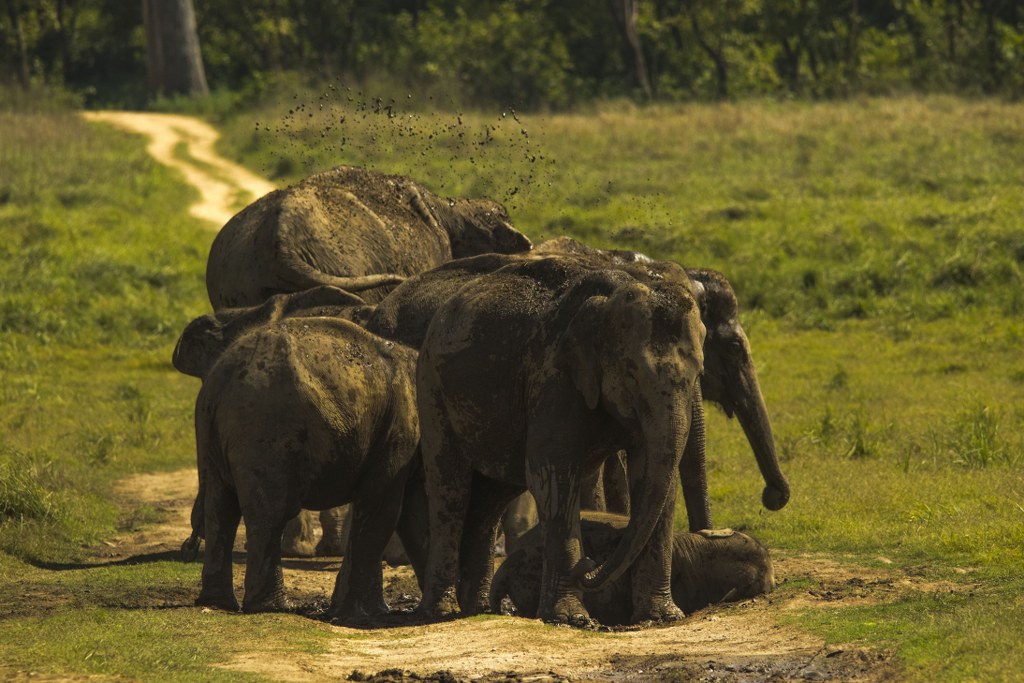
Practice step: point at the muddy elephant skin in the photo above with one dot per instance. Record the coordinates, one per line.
(352, 228)
(201, 344)
(729, 380)
(708, 567)
(305, 412)
(530, 377)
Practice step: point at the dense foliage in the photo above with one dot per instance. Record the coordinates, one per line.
(533, 53)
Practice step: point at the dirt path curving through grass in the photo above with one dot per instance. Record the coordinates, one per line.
(746, 641)
(186, 143)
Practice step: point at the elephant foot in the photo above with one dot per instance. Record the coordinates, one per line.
(357, 612)
(277, 603)
(329, 548)
(662, 612)
(190, 548)
(439, 608)
(223, 601)
(569, 611)
(475, 600)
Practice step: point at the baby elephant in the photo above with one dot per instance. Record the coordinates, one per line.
(304, 412)
(708, 567)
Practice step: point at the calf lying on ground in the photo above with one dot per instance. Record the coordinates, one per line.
(708, 567)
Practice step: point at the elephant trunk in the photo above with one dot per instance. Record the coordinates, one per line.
(753, 417)
(693, 469)
(652, 467)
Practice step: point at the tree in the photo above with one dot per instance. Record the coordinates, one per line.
(626, 13)
(13, 13)
(173, 60)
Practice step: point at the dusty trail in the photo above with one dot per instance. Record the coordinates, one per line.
(224, 187)
(737, 642)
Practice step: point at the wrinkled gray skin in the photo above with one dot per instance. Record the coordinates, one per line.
(729, 380)
(350, 228)
(303, 412)
(201, 344)
(708, 567)
(533, 376)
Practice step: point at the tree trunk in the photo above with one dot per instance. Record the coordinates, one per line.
(19, 44)
(173, 61)
(625, 19)
(630, 13)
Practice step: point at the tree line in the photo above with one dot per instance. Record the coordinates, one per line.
(535, 53)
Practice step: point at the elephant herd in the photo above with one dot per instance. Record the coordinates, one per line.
(417, 357)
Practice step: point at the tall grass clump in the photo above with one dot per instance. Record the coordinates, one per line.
(26, 487)
(976, 439)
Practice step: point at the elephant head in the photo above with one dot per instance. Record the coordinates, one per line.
(637, 353)
(718, 565)
(206, 337)
(478, 226)
(730, 379)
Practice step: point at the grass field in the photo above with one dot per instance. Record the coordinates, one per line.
(877, 248)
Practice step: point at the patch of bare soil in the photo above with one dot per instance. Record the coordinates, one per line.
(224, 187)
(733, 643)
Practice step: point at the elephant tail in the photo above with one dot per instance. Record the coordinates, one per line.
(308, 277)
(190, 548)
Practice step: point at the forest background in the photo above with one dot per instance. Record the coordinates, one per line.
(539, 54)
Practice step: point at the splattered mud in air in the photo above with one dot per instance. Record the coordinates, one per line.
(745, 641)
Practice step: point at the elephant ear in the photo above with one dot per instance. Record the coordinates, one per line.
(579, 350)
(716, 533)
(199, 346)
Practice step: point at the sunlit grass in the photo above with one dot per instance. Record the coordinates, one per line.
(876, 247)
(100, 267)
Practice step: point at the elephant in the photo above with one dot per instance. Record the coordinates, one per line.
(528, 380)
(729, 380)
(201, 344)
(708, 567)
(306, 412)
(352, 228)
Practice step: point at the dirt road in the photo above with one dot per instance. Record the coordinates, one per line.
(739, 642)
(186, 143)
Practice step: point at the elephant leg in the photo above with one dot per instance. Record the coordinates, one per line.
(449, 480)
(336, 524)
(359, 588)
(414, 524)
(616, 484)
(520, 517)
(592, 492)
(266, 512)
(297, 539)
(222, 514)
(476, 565)
(557, 492)
(651, 574)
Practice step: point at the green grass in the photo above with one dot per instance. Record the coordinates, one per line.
(165, 645)
(100, 267)
(876, 246)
